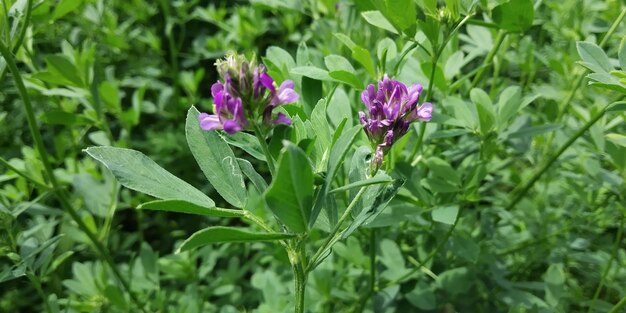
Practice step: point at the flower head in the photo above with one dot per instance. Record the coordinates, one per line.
(246, 94)
(392, 107)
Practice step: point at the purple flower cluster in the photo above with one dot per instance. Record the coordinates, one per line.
(392, 108)
(246, 93)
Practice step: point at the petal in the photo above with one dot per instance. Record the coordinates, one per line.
(362, 118)
(281, 118)
(425, 112)
(209, 122)
(288, 84)
(413, 95)
(216, 89)
(268, 82)
(288, 96)
(231, 126)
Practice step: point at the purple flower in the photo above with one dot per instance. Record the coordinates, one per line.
(246, 94)
(392, 107)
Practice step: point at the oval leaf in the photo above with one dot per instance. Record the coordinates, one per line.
(216, 159)
(134, 170)
(182, 206)
(221, 234)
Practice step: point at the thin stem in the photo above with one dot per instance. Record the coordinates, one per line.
(414, 44)
(492, 53)
(580, 76)
(618, 240)
(24, 175)
(335, 233)
(619, 305)
(526, 187)
(22, 35)
(372, 278)
(428, 258)
(37, 283)
(268, 156)
(49, 173)
(297, 257)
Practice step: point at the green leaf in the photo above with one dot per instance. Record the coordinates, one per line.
(446, 215)
(182, 206)
(337, 154)
(136, 171)
(221, 234)
(509, 104)
(64, 7)
(246, 142)
(486, 111)
(345, 40)
(256, 179)
(338, 63)
(369, 213)
(423, 297)
(442, 169)
(594, 57)
(617, 139)
(401, 13)
(290, 195)
(311, 72)
(622, 54)
(378, 179)
(57, 117)
(617, 107)
(347, 78)
(216, 160)
(514, 15)
(62, 67)
(378, 19)
(364, 57)
(534, 130)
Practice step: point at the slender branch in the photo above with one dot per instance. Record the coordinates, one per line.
(618, 241)
(492, 53)
(24, 175)
(428, 258)
(268, 156)
(335, 233)
(49, 173)
(372, 278)
(526, 187)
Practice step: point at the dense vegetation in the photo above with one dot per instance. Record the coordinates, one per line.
(510, 199)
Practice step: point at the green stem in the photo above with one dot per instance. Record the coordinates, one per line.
(20, 38)
(37, 283)
(297, 257)
(428, 258)
(372, 278)
(492, 53)
(618, 240)
(49, 173)
(268, 156)
(619, 305)
(580, 76)
(526, 187)
(24, 175)
(335, 233)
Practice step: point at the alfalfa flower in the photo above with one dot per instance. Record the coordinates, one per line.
(246, 94)
(392, 107)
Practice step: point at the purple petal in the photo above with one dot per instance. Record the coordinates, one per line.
(413, 95)
(268, 82)
(209, 122)
(288, 96)
(281, 118)
(425, 112)
(362, 118)
(231, 126)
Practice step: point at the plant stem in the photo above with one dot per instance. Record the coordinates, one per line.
(372, 279)
(581, 75)
(268, 156)
(526, 187)
(24, 175)
(297, 255)
(618, 240)
(492, 53)
(49, 173)
(335, 233)
(428, 258)
(619, 305)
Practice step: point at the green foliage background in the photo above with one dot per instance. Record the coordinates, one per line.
(509, 89)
